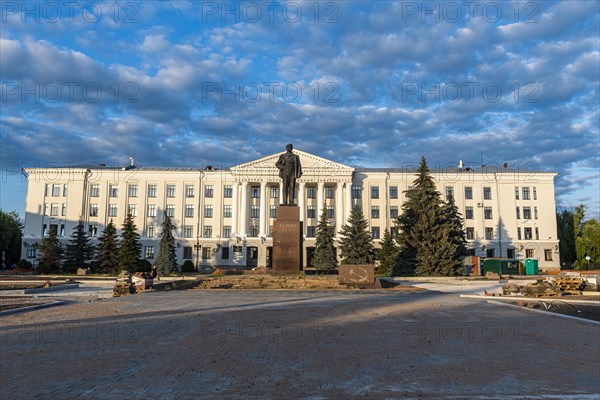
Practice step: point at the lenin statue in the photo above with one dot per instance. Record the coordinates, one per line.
(289, 170)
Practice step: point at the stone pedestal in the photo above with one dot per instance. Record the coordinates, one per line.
(287, 240)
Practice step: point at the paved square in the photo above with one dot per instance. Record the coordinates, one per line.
(296, 344)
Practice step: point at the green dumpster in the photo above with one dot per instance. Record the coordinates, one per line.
(531, 267)
(502, 266)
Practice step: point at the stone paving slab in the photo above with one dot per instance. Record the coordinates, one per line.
(295, 344)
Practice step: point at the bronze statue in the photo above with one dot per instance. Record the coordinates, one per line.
(289, 170)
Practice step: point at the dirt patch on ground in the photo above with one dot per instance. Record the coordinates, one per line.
(10, 303)
(561, 307)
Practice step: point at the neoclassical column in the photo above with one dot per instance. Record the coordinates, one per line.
(348, 207)
(301, 199)
(234, 207)
(339, 207)
(262, 221)
(280, 192)
(320, 189)
(244, 210)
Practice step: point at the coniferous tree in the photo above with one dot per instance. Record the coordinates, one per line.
(356, 242)
(388, 254)
(51, 253)
(325, 256)
(166, 261)
(11, 235)
(78, 250)
(456, 235)
(108, 250)
(129, 251)
(428, 233)
(565, 222)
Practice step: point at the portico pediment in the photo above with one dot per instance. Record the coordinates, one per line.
(314, 169)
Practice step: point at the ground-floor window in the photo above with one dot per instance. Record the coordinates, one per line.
(548, 254)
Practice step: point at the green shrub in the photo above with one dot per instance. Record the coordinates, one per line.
(24, 264)
(188, 266)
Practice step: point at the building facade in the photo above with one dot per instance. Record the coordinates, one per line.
(224, 217)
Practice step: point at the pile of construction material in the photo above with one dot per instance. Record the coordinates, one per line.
(124, 285)
(541, 288)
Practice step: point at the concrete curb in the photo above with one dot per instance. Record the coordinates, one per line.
(31, 308)
(540, 299)
(56, 288)
(550, 313)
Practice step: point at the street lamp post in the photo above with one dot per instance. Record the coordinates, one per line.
(197, 247)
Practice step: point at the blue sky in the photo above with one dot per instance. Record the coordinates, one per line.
(372, 84)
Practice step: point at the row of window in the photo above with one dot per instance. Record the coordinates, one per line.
(56, 189)
(55, 209)
(528, 233)
(525, 193)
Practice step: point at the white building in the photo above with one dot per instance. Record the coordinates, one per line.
(224, 217)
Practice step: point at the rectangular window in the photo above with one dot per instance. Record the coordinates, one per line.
(393, 192)
(375, 232)
(273, 212)
(209, 191)
(518, 213)
(526, 212)
(311, 192)
(330, 212)
(65, 190)
(490, 253)
(170, 210)
(311, 231)
(487, 193)
(133, 210)
(393, 232)
(226, 231)
(93, 230)
(228, 191)
(31, 250)
(227, 211)
(255, 192)
(54, 228)
(189, 211)
(329, 192)
(468, 212)
(470, 233)
(489, 233)
(63, 211)
(206, 253)
(487, 212)
(224, 253)
(190, 191)
(374, 192)
(207, 233)
(133, 190)
(254, 231)
(188, 231)
(535, 193)
(47, 190)
(537, 233)
(44, 230)
(152, 210)
(151, 190)
(46, 208)
(95, 191)
(468, 193)
(187, 253)
(113, 190)
(54, 209)
(516, 193)
(274, 192)
(548, 254)
(56, 190)
(374, 212)
(449, 192)
(356, 192)
(150, 231)
(519, 233)
(208, 211)
(93, 210)
(529, 253)
(149, 252)
(113, 210)
(311, 212)
(510, 253)
(270, 232)
(525, 193)
(535, 213)
(393, 211)
(528, 234)
(170, 191)
(254, 211)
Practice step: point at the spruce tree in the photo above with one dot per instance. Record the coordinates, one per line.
(388, 254)
(325, 257)
(51, 253)
(428, 235)
(166, 261)
(356, 243)
(108, 250)
(456, 235)
(129, 251)
(79, 250)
